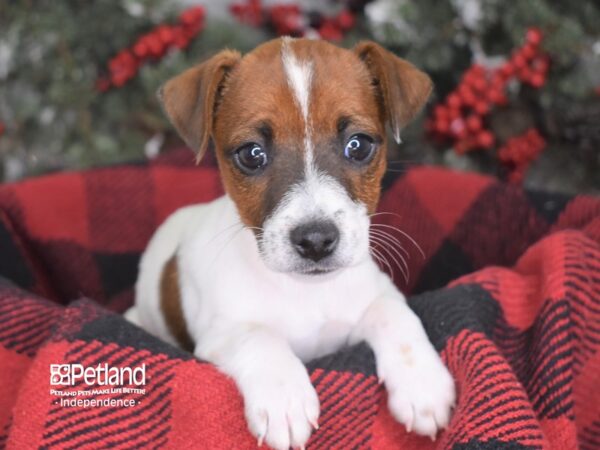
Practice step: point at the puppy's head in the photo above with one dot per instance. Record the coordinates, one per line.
(299, 131)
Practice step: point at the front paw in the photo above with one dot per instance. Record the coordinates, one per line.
(281, 407)
(421, 392)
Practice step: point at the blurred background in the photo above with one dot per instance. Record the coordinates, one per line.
(517, 83)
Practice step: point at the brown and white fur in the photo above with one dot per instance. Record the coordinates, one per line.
(225, 279)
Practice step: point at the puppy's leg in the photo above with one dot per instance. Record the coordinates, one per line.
(420, 389)
(280, 402)
(133, 316)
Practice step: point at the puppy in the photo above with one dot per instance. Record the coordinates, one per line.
(278, 271)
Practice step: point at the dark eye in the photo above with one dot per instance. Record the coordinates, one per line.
(250, 158)
(359, 148)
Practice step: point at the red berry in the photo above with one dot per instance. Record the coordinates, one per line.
(330, 32)
(466, 79)
(462, 89)
(442, 126)
(440, 111)
(250, 13)
(180, 38)
(454, 113)
(481, 108)
(537, 80)
(519, 61)
(196, 14)
(192, 30)
(286, 19)
(535, 138)
(467, 95)
(497, 81)
(534, 36)
(454, 100)
(115, 62)
(507, 70)
(528, 51)
(474, 123)
(140, 49)
(122, 67)
(478, 69)
(541, 64)
(345, 20)
(485, 139)
(497, 96)
(165, 34)
(516, 176)
(480, 84)
(292, 24)
(118, 79)
(525, 74)
(469, 98)
(458, 129)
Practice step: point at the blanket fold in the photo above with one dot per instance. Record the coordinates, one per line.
(508, 291)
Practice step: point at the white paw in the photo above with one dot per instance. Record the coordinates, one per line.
(281, 406)
(421, 392)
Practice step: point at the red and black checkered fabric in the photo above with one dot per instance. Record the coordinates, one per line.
(509, 292)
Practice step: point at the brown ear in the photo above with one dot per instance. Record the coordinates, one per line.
(404, 88)
(190, 99)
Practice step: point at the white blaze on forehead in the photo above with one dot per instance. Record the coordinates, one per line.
(299, 77)
(299, 74)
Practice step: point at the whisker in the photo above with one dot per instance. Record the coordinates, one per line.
(409, 237)
(393, 240)
(211, 240)
(235, 234)
(386, 249)
(395, 250)
(391, 258)
(375, 257)
(395, 261)
(381, 263)
(385, 261)
(385, 213)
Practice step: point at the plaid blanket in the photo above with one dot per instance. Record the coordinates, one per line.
(509, 292)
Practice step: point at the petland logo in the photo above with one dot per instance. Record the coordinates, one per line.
(101, 375)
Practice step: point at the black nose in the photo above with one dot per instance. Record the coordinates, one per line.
(315, 240)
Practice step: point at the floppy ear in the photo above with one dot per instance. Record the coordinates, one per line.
(404, 89)
(190, 99)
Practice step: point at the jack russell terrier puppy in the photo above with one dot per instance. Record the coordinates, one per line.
(278, 271)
